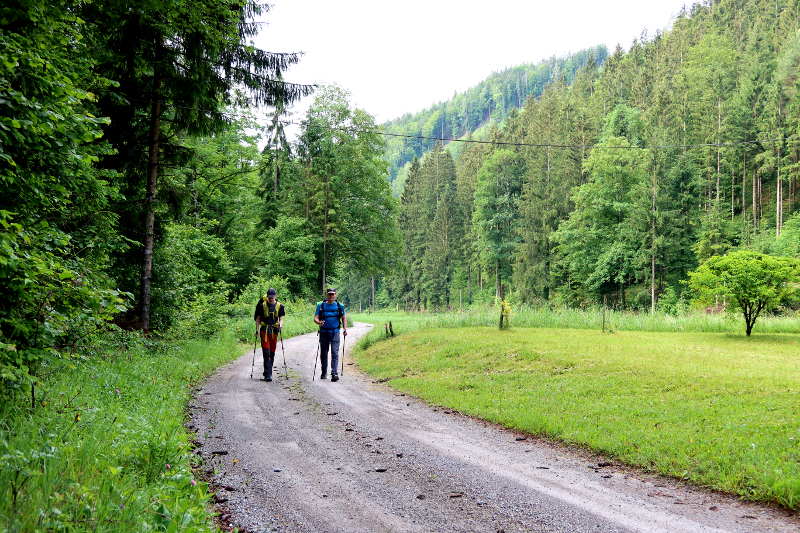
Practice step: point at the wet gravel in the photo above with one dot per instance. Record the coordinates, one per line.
(303, 455)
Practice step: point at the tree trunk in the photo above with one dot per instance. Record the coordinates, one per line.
(276, 178)
(325, 242)
(778, 198)
(654, 191)
(744, 189)
(719, 148)
(753, 206)
(760, 196)
(154, 139)
(497, 287)
(372, 286)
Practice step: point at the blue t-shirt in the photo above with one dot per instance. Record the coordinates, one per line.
(329, 313)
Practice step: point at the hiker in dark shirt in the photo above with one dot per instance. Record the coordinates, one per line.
(269, 321)
(330, 317)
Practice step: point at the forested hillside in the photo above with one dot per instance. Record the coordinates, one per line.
(614, 186)
(134, 192)
(489, 102)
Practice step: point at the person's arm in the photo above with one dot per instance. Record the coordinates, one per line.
(257, 316)
(344, 322)
(317, 321)
(281, 314)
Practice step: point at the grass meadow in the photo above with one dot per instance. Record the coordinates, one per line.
(718, 409)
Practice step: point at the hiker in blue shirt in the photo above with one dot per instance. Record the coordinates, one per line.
(330, 317)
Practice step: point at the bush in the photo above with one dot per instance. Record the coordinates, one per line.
(672, 302)
(189, 272)
(51, 299)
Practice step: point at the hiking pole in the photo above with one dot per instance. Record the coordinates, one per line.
(285, 369)
(316, 356)
(344, 339)
(253, 364)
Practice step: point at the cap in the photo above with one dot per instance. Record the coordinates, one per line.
(331, 290)
(271, 292)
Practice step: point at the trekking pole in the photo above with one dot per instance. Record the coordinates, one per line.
(316, 356)
(344, 339)
(285, 369)
(253, 363)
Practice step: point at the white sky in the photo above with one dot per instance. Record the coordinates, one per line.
(399, 57)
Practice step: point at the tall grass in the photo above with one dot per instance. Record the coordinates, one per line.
(546, 317)
(104, 448)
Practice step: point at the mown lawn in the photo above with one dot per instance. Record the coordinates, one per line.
(718, 409)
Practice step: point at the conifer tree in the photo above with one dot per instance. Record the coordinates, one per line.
(174, 66)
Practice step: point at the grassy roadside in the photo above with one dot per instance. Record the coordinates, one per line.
(105, 448)
(720, 410)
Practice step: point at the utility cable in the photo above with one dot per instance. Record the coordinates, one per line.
(375, 131)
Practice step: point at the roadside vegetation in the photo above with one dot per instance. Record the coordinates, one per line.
(716, 409)
(104, 448)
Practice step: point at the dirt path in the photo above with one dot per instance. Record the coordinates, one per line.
(299, 455)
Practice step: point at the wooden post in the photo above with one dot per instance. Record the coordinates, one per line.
(605, 300)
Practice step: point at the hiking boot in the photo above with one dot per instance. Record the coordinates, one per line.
(334, 378)
(324, 376)
(267, 379)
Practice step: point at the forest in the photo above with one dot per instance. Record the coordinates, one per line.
(139, 191)
(615, 184)
(144, 189)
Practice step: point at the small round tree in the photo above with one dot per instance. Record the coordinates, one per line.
(749, 281)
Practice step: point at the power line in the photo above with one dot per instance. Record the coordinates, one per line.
(576, 146)
(443, 139)
(553, 145)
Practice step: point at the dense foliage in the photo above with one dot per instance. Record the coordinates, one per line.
(111, 200)
(56, 230)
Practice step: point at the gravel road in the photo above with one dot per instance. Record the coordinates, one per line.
(303, 455)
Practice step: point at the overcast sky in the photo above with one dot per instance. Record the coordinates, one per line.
(399, 57)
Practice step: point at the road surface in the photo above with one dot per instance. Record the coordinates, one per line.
(303, 455)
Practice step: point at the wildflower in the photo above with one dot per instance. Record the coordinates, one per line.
(168, 466)
(194, 482)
